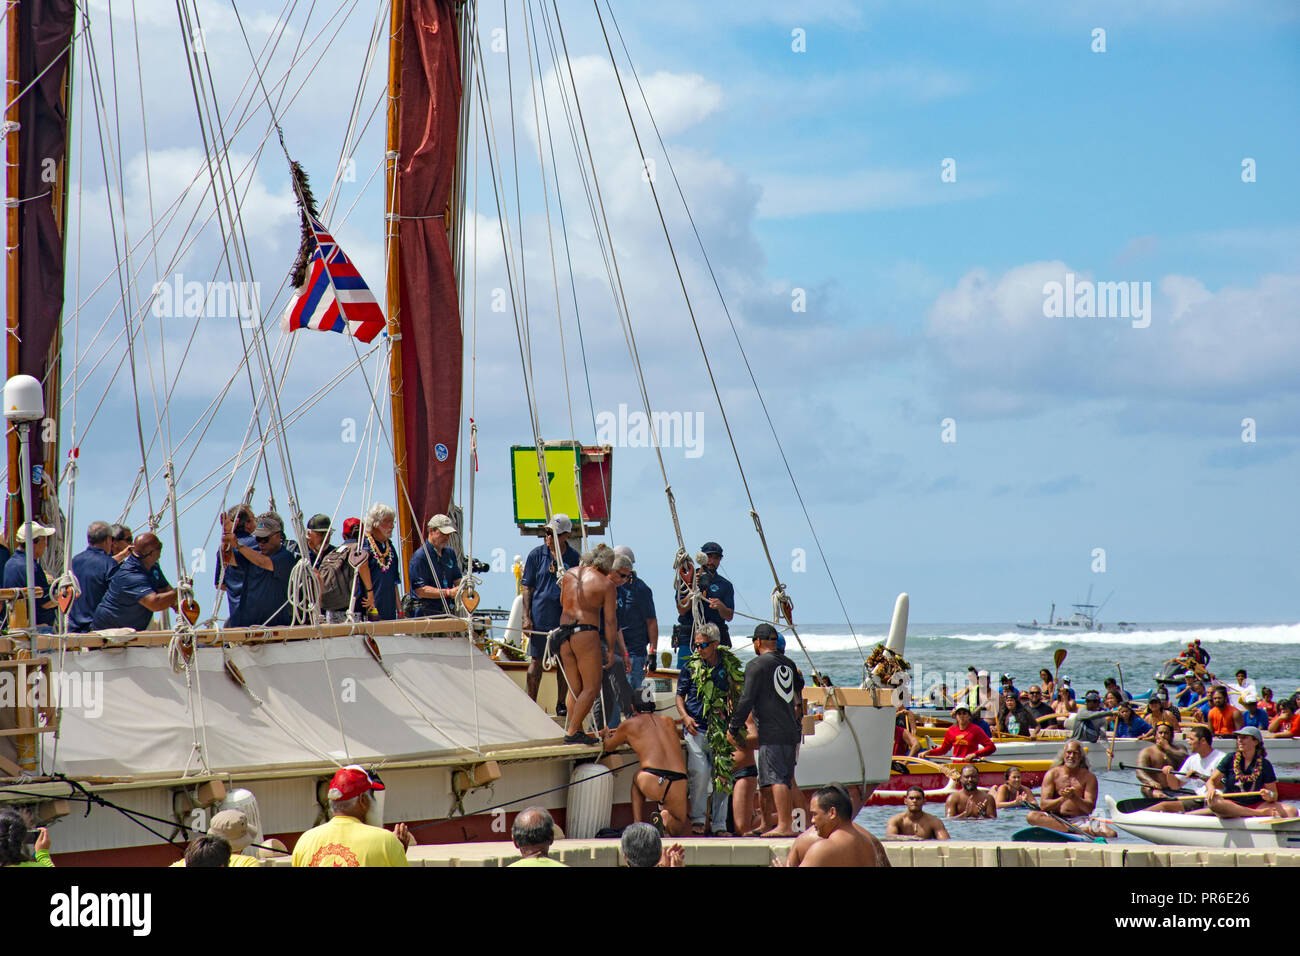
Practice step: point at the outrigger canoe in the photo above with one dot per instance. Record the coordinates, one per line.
(1281, 750)
(916, 772)
(1185, 829)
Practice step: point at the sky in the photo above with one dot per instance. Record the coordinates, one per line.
(887, 193)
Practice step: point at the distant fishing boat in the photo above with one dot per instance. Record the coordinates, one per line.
(1083, 619)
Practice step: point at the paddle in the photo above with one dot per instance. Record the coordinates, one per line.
(1121, 677)
(948, 771)
(1058, 659)
(1110, 750)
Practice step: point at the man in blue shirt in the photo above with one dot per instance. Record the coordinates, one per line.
(93, 567)
(229, 574)
(636, 614)
(264, 600)
(541, 592)
(136, 589)
(1254, 715)
(435, 570)
(695, 728)
(719, 603)
(15, 573)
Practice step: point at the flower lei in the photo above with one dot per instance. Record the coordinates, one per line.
(718, 706)
(382, 558)
(1246, 782)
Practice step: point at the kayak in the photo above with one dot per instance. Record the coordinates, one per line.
(1183, 829)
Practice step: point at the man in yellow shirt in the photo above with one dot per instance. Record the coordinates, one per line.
(354, 836)
(533, 833)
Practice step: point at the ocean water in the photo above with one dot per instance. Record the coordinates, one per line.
(1270, 654)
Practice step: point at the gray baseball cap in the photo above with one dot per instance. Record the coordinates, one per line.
(1251, 732)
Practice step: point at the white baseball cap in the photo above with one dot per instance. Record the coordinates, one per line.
(560, 523)
(38, 531)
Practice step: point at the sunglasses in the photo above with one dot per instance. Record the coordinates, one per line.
(700, 647)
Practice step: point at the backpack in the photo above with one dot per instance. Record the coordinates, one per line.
(337, 576)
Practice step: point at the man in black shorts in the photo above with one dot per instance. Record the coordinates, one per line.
(774, 693)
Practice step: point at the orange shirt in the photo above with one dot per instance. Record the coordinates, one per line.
(1223, 722)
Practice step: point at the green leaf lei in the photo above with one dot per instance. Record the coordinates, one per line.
(718, 706)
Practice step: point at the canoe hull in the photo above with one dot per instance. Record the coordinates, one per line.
(1181, 829)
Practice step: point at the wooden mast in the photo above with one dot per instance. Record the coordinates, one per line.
(11, 256)
(401, 467)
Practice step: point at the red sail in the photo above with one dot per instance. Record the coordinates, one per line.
(44, 31)
(429, 318)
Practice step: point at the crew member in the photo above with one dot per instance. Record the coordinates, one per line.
(1163, 753)
(435, 571)
(1224, 719)
(662, 777)
(636, 615)
(384, 561)
(264, 597)
(773, 692)
(1248, 771)
(136, 590)
(709, 662)
(238, 521)
(93, 567)
(15, 572)
(589, 611)
(541, 593)
(1201, 761)
(719, 602)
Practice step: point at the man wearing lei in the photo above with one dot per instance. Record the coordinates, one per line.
(385, 565)
(708, 688)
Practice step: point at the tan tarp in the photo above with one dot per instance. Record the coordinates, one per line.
(322, 699)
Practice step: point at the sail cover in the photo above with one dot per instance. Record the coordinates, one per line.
(429, 318)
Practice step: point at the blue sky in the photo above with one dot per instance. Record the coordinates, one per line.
(820, 171)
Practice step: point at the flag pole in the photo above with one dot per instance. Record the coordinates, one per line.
(401, 466)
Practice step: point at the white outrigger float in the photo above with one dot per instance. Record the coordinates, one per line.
(1187, 829)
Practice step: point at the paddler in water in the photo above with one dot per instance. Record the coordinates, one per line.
(589, 608)
(970, 801)
(1069, 791)
(1012, 792)
(964, 739)
(662, 777)
(914, 823)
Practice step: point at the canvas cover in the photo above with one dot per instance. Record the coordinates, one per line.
(446, 696)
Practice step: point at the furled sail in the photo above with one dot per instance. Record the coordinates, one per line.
(35, 306)
(429, 320)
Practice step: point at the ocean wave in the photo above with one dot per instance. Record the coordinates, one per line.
(1029, 641)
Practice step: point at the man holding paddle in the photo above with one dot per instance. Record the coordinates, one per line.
(964, 739)
(1247, 774)
(1069, 796)
(1195, 770)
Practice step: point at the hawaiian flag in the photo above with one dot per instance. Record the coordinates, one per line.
(333, 296)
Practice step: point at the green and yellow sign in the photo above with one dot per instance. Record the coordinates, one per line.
(561, 474)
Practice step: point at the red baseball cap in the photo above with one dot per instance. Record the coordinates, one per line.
(352, 782)
(350, 526)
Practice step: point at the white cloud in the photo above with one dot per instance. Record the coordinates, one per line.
(997, 350)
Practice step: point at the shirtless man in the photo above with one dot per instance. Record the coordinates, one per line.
(658, 746)
(744, 776)
(1164, 752)
(914, 823)
(1069, 791)
(589, 607)
(840, 842)
(1012, 792)
(970, 801)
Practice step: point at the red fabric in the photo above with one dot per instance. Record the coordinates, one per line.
(44, 30)
(900, 742)
(429, 319)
